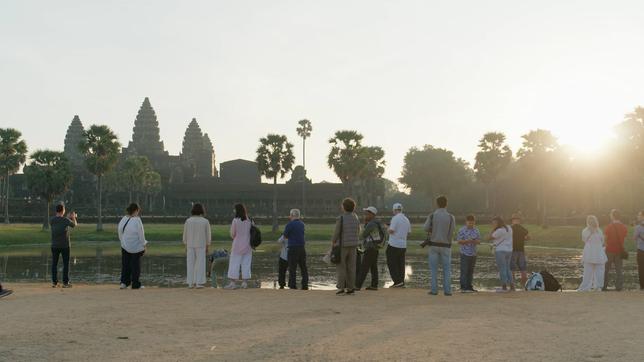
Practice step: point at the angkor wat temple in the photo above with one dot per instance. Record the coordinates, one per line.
(189, 177)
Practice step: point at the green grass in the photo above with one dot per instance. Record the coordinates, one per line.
(166, 238)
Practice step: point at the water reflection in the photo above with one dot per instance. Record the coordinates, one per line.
(169, 270)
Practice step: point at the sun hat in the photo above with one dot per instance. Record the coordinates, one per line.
(371, 209)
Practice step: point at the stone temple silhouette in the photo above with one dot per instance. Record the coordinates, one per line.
(192, 176)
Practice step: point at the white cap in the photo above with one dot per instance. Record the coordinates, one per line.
(397, 206)
(371, 209)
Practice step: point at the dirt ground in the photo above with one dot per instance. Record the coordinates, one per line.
(102, 323)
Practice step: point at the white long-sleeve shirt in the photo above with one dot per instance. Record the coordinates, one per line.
(197, 232)
(132, 235)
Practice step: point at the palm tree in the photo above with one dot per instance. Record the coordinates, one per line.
(48, 175)
(304, 131)
(536, 155)
(13, 153)
(135, 169)
(492, 159)
(275, 158)
(372, 167)
(343, 157)
(100, 147)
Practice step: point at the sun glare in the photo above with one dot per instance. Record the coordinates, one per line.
(585, 142)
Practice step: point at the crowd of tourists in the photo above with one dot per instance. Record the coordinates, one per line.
(356, 245)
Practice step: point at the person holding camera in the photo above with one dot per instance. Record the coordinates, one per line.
(60, 244)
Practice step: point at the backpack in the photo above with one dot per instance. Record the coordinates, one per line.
(255, 236)
(550, 282)
(535, 282)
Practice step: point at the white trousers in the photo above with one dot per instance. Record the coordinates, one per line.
(196, 265)
(239, 261)
(593, 277)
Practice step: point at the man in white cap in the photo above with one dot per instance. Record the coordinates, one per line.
(399, 229)
(372, 238)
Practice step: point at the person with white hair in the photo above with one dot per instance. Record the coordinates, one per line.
(594, 256)
(293, 235)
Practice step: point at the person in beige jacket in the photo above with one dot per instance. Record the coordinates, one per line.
(196, 238)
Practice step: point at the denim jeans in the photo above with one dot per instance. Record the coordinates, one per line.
(467, 271)
(503, 261)
(55, 255)
(443, 256)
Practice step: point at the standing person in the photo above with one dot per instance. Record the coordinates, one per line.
(282, 262)
(615, 233)
(468, 238)
(373, 236)
(294, 234)
(638, 235)
(60, 244)
(594, 256)
(501, 238)
(399, 229)
(241, 254)
(133, 246)
(347, 230)
(440, 226)
(196, 237)
(519, 236)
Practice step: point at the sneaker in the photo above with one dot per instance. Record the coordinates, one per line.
(244, 285)
(5, 292)
(67, 285)
(432, 293)
(122, 286)
(473, 291)
(231, 286)
(399, 285)
(190, 286)
(448, 294)
(54, 285)
(199, 286)
(305, 288)
(467, 291)
(282, 287)
(340, 292)
(351, 292)
(371, 288)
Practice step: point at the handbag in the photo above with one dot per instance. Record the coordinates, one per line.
(336, 251)
(624, 253)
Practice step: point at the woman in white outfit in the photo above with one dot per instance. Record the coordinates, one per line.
(196, 238)
(241, 253)
(594, 256)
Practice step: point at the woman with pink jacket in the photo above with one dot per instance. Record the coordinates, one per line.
(241, 253)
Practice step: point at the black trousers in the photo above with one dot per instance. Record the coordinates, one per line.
(396, 263)
(297, 258)
(55, 255)
(640, 267)
(281, 272)
(131, 268)
(369, 264)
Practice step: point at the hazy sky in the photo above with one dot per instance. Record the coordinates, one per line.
(404, 73)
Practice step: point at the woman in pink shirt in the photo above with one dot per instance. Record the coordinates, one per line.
(241, 254)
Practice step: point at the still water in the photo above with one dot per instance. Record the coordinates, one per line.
(169, 270)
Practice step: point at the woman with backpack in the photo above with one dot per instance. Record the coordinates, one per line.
(594, 256)
(133, 244)
(196, 238)
(501, 238)
(241, 253)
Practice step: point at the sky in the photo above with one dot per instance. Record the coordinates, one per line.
(403, 73)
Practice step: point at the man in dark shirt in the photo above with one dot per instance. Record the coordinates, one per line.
(373, 236)
(60, 225)
(519, 237)
(294, 234)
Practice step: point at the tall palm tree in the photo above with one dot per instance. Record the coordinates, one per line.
(48, 175)
(275, 158)
(493, 157)
(344, 157)
(100, 147)
(13, 153)
(372, 167)
(304, 131)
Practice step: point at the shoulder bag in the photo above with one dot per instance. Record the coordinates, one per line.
(336, 251)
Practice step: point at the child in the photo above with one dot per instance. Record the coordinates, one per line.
(283, 262)
(519, 237)
(468, 237)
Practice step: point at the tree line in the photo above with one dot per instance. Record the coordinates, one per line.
(542, 178)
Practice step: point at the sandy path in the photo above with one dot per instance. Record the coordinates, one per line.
(85, 323)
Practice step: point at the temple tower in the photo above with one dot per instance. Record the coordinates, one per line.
(197, 152)
(73, 137)
(146, 140)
